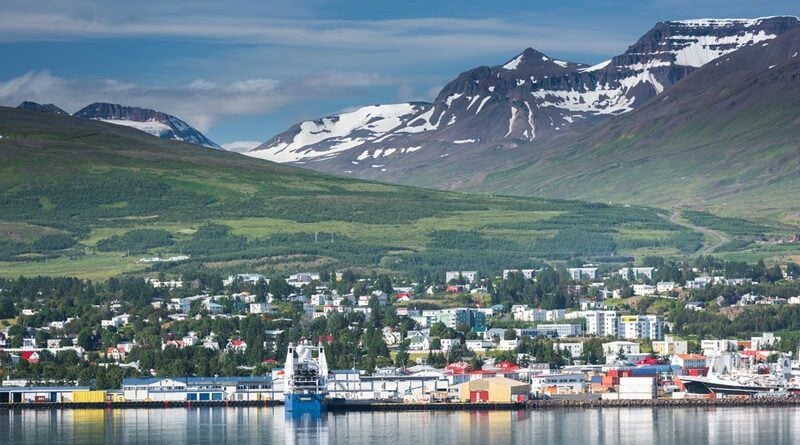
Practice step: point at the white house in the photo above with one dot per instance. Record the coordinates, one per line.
(260, 308)
(665, 286)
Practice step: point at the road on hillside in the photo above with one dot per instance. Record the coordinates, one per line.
(721, 237)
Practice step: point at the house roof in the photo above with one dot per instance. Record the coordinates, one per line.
(481, 384)
(197, 380)
(691, 356)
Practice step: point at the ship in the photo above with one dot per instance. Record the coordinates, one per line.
(306, 376)
(773, 379)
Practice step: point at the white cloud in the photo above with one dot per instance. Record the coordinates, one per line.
(199, 102)
(437, 35)
(241, 146)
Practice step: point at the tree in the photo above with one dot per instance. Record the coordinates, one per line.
(441, 330)
(7, 306)
(279, 287)
(510, 334)
(401, 358)
(85, 339)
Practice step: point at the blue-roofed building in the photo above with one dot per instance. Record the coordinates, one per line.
(198, 388)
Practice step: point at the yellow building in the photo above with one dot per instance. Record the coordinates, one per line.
(89, 396)
(494, 390)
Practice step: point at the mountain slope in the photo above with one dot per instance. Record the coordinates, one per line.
(162, 125)
(44, 108)
(532, 97)
(89, 198)
(725, 138)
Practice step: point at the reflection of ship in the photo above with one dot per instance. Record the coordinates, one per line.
(306, 374)
(742, 381)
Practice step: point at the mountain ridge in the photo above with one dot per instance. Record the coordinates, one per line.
(532, 96)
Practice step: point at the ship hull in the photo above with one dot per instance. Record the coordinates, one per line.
(305, 403)
(708, 386)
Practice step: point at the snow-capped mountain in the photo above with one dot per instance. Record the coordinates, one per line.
(158, 124)
(44, 108)
(325, 138)
(530, 97)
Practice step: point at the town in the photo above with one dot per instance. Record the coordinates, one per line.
(589, 331)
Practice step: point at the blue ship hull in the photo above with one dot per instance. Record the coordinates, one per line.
(305, 403)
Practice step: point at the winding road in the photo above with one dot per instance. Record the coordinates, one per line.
(721, 237)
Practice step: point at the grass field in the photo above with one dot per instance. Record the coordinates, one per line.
(84, 194)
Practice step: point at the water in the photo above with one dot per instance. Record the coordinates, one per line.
(613, 426)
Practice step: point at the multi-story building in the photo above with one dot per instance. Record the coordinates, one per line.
(602, 323)
(533, 315)
(582, 273)
(712, 348)
(528, 274)
(575, 349)
(617, 348)
(457, 318)
(470, 276)
(670, 346)
(636, 273)
(559, 330)
(642, 327)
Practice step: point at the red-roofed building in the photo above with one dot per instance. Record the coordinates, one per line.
(238, 346)
(404, 296)
(30, 356)
(506, 365)
(117, 354)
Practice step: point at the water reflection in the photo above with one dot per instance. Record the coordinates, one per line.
(617, 426)
(305, 428)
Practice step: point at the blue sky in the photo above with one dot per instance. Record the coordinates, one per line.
(246, 70)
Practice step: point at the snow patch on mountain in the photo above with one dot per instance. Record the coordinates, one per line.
(514, 63)
(699, 50)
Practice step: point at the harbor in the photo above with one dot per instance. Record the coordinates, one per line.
(787, 401)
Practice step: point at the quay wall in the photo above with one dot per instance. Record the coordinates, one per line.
(445, 406)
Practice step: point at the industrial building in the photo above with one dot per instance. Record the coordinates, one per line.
(197, 388)
(493, 390)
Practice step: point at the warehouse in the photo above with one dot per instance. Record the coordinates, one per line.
(197, 389)
(41, 394)
(494, 390)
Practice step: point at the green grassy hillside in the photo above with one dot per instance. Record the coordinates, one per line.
(90, 199)
(724, 140)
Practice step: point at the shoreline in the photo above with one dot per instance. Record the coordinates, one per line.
(531, 405)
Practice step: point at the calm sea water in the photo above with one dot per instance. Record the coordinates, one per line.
(613, 426)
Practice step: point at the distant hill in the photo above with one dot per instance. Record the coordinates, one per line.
(44, 108)
(88, 198)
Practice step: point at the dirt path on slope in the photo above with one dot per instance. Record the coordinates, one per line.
(721, 237)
